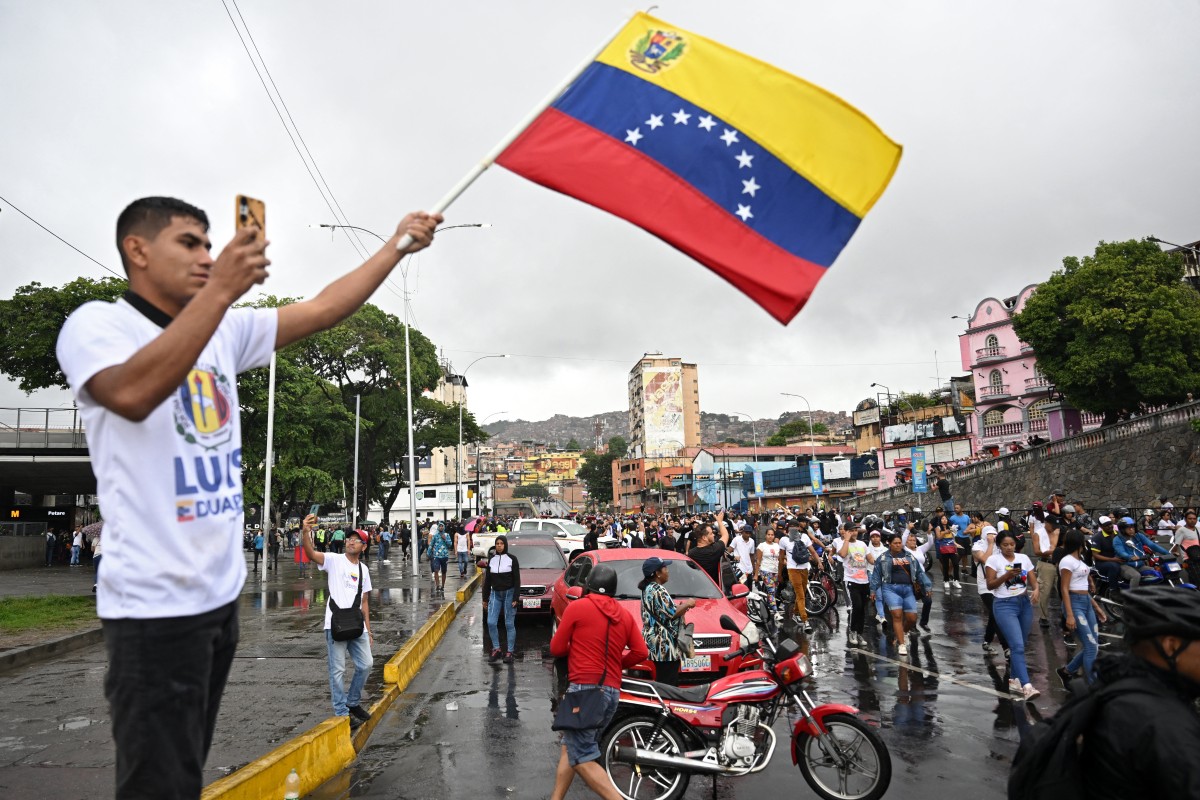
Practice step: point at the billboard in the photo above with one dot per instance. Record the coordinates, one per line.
(866, 416)
(918, 470)
(662, 396)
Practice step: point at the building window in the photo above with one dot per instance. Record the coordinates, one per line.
(993, 417)
(991, 342)
(1038, 410)
(995, 379)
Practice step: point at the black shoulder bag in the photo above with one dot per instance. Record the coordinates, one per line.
(583, 709)
(347, 623)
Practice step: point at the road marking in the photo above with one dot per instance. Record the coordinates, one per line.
(930, 673)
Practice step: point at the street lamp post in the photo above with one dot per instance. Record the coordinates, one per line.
(412, 460)
(458, 453)
(753, 432)
(1194, 278)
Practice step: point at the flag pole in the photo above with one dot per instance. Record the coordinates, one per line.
(495, 152)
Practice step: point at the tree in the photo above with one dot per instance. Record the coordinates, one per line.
(794, 429)
(596, 474)
(1116, 331)
(33, 316)
(573, 445)
(536, 490)
(618, 446)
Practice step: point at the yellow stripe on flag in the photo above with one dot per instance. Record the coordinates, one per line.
(825, 139)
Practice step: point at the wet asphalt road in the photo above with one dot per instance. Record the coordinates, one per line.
(466, 728)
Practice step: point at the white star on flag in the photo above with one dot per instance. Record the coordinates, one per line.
(744, 212)
(633, 136)
(744, 159)
(729, 137)
(750, 187)
(681, 117)
(706, 122)
(654, 121)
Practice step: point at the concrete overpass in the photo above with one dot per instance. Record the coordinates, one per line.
(43, 451)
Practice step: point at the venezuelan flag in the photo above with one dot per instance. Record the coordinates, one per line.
(755, 173)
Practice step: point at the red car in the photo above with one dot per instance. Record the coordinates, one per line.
(542, 563)
(687, 579)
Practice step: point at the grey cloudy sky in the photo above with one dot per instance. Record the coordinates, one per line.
(1031, 131)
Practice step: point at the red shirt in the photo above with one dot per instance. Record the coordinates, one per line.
(581, 635)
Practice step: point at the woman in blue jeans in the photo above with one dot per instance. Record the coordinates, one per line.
(1079, 608)
(501, 578)
(1012, 581)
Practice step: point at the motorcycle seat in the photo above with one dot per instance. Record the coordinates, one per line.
(691, 694)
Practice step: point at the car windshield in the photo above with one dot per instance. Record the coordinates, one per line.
(538, 556)
(574, 529)
(687, 580)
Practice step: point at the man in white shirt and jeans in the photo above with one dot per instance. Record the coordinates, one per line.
(344, 571)
(155, 377)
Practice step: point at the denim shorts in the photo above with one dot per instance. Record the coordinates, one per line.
(438, 564)
(896, 595)
(584, 746)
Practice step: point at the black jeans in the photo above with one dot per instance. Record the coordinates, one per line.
(164, 684)
(860, 595)
(667, 672)
(992, 631)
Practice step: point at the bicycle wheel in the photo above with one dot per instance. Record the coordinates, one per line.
(817, 599)
(641, 781)
(851, 763)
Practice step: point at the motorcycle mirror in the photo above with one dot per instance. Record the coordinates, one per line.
(728, 624)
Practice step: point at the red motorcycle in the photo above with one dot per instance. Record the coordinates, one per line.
(662, 735)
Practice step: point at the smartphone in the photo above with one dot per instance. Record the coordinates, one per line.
(315, 509)
(251, 212)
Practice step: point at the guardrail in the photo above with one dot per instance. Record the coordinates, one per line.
(42, 428)
(1121, 431)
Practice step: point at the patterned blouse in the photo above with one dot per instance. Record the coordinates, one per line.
(660, 630)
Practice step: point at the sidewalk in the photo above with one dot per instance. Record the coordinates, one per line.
(56, 742)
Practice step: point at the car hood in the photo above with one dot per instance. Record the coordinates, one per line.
(706, 615)
(545, 577)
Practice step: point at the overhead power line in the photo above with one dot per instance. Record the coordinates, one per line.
(61, 239)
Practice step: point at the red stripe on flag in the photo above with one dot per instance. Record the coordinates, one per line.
(569, 156)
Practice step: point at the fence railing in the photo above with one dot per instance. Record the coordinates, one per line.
(1176, 416)
(42, 428)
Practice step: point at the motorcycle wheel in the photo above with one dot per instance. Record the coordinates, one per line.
(643, 782)
(817, 599)
(1110, 601)
(860, 770)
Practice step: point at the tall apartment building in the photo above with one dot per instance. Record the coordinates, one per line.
(664, 406)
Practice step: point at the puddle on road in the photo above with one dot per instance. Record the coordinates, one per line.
(76, 723)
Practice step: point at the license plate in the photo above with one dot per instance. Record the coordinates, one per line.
(1173, 566)
(531, 602)
(696, 664)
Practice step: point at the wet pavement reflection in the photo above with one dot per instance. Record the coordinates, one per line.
(469, 728)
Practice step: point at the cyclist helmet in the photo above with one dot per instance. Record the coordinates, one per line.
(1068, 509)
(1126, 522)
(602, 580)
(873, 521)
(1162, 611)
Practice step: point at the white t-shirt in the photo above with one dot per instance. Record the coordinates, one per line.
(343, 582)
(1079, 573)
(857, 568)
(744, 550)
(876, 550)
(1019, 568)
(786, 544)
(835, 549)
(770, 557)
(170, 486)
(980, 548)
(460, 542)
(77, 539)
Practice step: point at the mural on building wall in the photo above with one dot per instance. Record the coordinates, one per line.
(662, 391)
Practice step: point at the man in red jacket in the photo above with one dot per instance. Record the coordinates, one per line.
(601, 639)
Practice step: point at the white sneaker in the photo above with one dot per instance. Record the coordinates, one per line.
(902, 649)
(956, 584)
(880, 620)
(1014, 687)
(1029, 692)
(852, 639)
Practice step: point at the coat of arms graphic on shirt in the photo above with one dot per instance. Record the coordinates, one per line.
(657, 51)
(203, 410)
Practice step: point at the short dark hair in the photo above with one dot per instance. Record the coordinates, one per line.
(149, 215)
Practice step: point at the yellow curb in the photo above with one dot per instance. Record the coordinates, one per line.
(325, 751)
(316, 755)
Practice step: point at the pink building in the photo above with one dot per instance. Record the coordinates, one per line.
(1011, 394)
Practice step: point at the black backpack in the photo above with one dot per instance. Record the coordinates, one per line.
(1046, 766)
